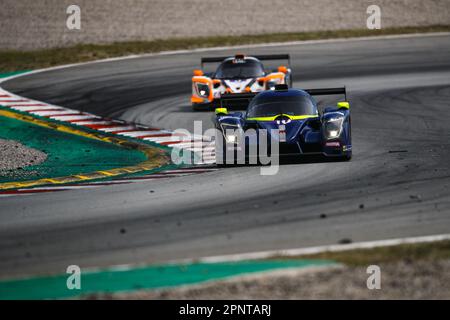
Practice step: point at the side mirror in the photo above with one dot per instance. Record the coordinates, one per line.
(343, 105)
(221, 111)
(282, 69)
(198, 73)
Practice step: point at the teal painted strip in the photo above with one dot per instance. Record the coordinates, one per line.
(149, 277)
(10, 74)
(153, 144)
(67, 154)
(166, 149)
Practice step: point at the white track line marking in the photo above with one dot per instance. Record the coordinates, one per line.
(320, 249)
(145, 133)
(87, 122)
(424, 239)
(37, 107)
(162, 139)
(15, 100)
(70, 118)
(53, 113)
(119, 128)
(196, 144)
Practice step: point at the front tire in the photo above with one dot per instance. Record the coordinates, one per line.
(347, 157)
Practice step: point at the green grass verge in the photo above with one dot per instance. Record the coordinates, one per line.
(407, 252)
(18, 60)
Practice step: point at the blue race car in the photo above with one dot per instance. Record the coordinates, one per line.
(289, 117)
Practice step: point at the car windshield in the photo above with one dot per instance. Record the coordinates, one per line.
(240, 69)
(275, 105)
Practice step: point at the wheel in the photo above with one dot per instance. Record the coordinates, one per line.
(347, 157)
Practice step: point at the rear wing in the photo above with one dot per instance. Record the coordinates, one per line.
(264, 57)
(327, 91)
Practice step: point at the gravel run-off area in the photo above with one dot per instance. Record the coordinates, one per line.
(38, 24)
(14, 156)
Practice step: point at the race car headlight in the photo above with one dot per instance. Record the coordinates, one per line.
(202, 89)
(333, 127)
(272, 83)
(232, 138)
(230, 132)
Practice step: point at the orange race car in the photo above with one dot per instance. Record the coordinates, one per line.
(236, 77)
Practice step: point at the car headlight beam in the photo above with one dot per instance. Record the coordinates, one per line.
(202, 89)
(231, 138)
(272, 83)
(333, 127)
(231, 132)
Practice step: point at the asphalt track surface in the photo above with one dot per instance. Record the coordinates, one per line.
(396, 185)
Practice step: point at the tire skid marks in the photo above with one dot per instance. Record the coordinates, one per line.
(195, 144)
(160, 175)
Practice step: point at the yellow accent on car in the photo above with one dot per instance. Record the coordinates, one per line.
(306, 116)
(221, 111)
(343, 104)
